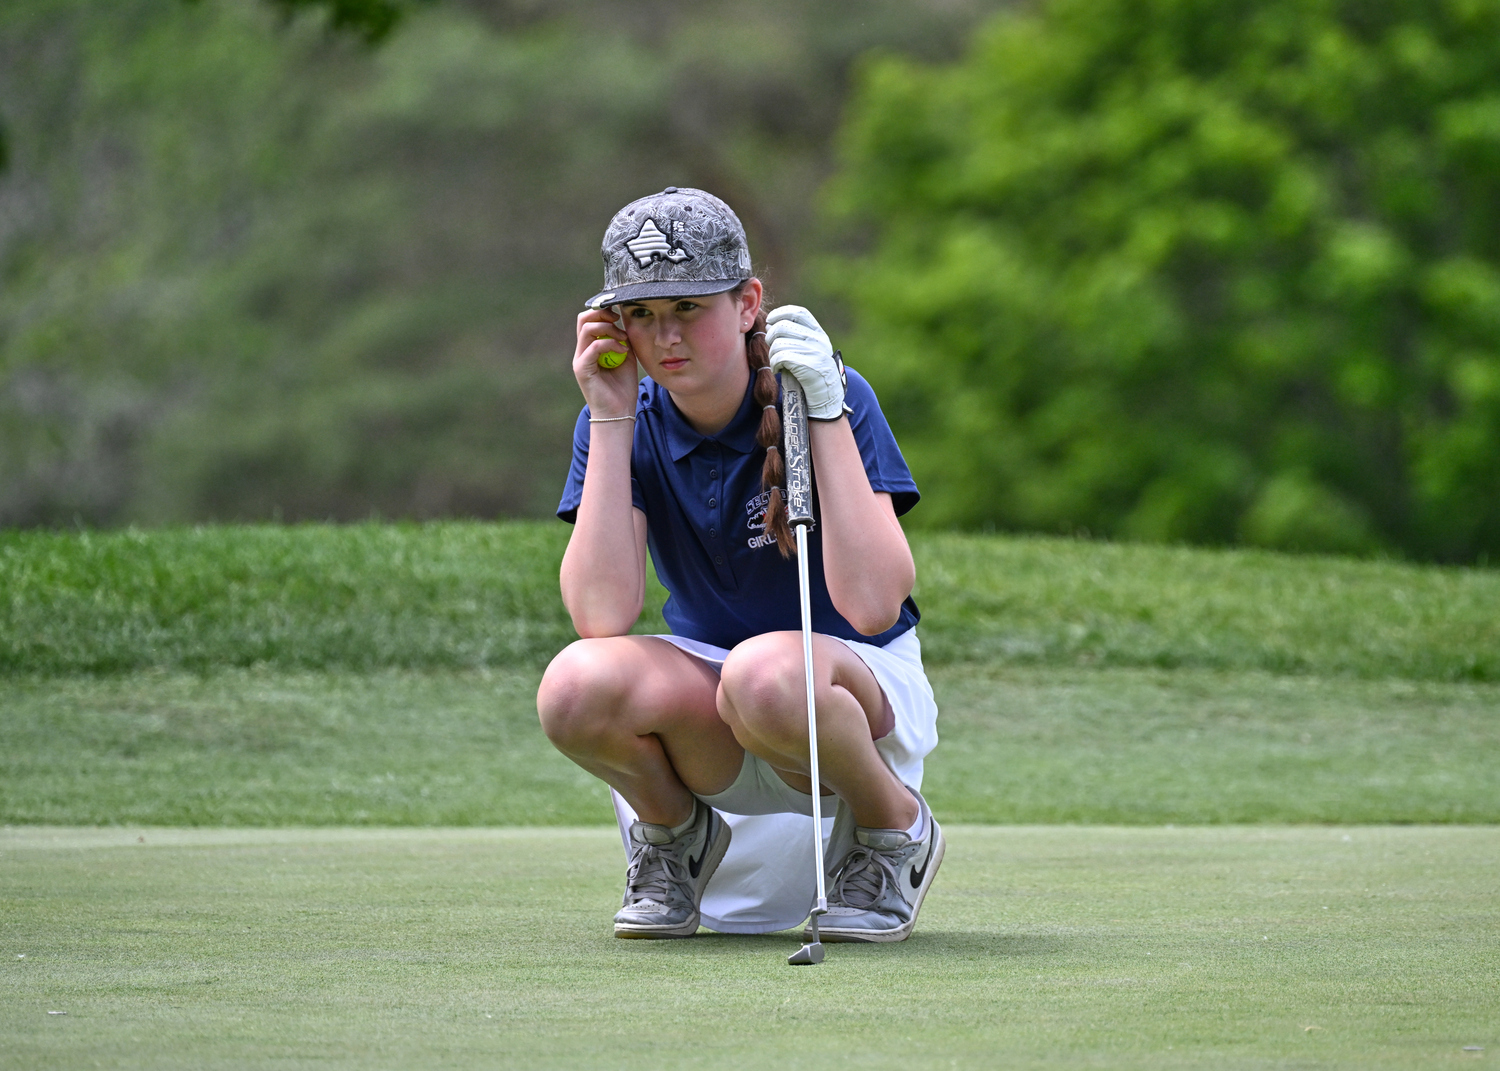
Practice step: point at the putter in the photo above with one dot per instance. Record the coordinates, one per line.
(797, 454)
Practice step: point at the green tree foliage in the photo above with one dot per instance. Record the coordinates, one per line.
(250, 268)
(372, 20)
(1205, 270)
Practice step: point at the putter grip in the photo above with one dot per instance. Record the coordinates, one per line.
(797, 453)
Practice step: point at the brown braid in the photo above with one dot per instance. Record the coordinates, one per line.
(768, 396)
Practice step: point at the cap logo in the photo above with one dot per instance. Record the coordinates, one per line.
(650, 244)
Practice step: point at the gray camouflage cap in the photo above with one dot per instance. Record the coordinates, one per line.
(677, 243)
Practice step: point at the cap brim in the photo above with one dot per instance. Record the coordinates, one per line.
(669, 289)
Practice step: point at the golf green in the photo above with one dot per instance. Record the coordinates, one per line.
(1231, 946)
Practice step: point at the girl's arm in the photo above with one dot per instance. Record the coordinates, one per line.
(867, 563)
(603, 574)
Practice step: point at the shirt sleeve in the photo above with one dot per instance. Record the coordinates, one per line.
(572, 495)
(877, 445)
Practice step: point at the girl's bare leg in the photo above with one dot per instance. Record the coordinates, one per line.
(763, 699)
(640, 714)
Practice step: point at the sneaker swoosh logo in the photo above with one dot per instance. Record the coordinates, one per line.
(695, 865)
(918, 874)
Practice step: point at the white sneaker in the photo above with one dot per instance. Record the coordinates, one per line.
(877, 887)
(665, 882)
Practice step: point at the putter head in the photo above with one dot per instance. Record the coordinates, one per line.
(806, 955)
(812, 952)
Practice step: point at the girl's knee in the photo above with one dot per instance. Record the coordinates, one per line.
(581, 685)
(763, 691)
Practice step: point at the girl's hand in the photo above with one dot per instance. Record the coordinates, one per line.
(800, 348)
(609, 392)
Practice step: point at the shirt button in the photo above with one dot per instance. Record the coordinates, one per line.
(713, 502)
(713, 533)
(718, 559)
(713, 472)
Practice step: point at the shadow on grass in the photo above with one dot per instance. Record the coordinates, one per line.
(964, 944)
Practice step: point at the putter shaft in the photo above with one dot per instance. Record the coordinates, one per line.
(803, 585)
(797, 453)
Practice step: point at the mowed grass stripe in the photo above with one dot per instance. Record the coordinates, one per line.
(467, 595)
(271, 747)
(1039, 947)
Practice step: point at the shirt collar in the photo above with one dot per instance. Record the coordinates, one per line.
(738, 435)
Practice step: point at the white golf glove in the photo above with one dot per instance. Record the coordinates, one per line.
(800, 348)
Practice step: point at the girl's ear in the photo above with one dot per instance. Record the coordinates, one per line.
(750, 298)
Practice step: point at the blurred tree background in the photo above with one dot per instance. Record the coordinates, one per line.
(254, 269)
(1200, 270)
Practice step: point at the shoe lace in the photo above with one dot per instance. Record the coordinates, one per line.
(863, 878)
(654, 873)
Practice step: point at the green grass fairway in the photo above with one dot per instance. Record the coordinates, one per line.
(1019, 744)
(1358, 948)
(364, 698)
(384, 675)
(466, 595)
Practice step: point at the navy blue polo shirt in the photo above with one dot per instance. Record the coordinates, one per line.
(705, 516)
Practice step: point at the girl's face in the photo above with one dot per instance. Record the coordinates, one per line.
(694, 346)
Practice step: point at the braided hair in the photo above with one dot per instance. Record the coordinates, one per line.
(767, 395)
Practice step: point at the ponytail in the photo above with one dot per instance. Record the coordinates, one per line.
(767, 395)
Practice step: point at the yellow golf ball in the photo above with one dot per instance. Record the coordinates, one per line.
(610, 359)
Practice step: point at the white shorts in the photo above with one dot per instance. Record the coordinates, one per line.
(766, 880)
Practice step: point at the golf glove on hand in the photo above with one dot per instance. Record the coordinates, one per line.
(800, 348)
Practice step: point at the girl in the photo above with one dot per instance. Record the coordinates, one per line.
(702, 734)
